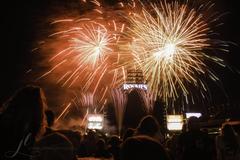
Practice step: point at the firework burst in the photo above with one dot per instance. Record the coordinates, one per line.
(88, 50)
(169, 41)
(82, 52)
(86, 55)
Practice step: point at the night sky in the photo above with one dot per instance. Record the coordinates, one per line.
(23, 23)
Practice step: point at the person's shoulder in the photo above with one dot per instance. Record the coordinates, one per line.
(238, 139)
(219, 140)
(182, 136)
(202, 133)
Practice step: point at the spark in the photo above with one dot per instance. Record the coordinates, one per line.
(65, 109)
(96, 3)
(85, 54)
(98, 11)
(50, 71)
(168, 44)
(119, 100)
(148, 100)
(88, 50)
(62, 20)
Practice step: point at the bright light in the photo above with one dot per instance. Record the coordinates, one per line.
(188, 115)
(169, 49)
(95, 118)
(174, 126)
(97, 51)
(95, 121)
(166, 53)
(174, 122)
(92, 125)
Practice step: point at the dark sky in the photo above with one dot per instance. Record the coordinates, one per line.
(21, 20)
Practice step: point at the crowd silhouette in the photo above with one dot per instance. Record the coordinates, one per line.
(27, 132)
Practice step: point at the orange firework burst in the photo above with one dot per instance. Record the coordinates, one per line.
(168, 42)
(84, 54)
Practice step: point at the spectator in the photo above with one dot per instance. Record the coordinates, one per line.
(54, 147)
(50, 121)
(22, 122)
(88, 144)
(149, 126)
(129, 133)
(142, 148)
(194, 144)
(114, 147)
(101, 151)
(228, 144)
(74, 137)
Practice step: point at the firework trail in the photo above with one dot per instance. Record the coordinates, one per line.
(86, 54)
(169, 44)
(87, 51)
(85, 100)
(83, 53)
(119, 100)
(148, 100)
(64, 111)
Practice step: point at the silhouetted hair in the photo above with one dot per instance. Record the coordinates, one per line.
(229, 136)
(193, 123)
(142, 148)
(101, 150)
(50, 117)
(54, 147)
(148, 126)
(114, 140)
(128, 133)
(101, 143)
(23, 114)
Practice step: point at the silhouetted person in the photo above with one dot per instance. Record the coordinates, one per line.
(88, 144)
(228, 144)
(74, 137)
(22, 122)
(101, 150)
(114, 147)
(149, 126)
(54, 146)
(194, 144)
(142, 148)
(50, 121)
(172, 147)
(128, 133)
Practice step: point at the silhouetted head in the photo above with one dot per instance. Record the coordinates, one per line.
(54, 147)
(50, 117)
(142, 148)
(114, 141)
(24, 112)
(101, 144)
(128, 133)
(148, 126)
(229, 135)
(73, 136)
(193, 124)
(227, 130)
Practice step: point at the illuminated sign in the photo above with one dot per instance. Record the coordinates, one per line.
(188, 115)
(95, 121)
(130, 86)
(174, 122)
